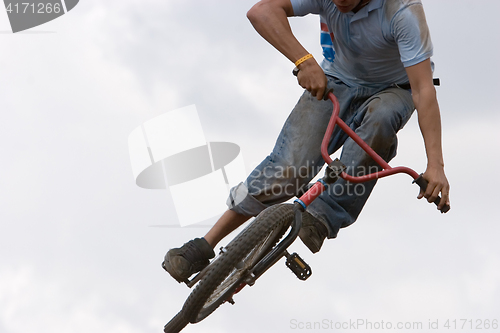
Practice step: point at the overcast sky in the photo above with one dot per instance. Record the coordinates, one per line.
(78, 250)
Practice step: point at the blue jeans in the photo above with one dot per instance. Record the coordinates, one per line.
(376, 115)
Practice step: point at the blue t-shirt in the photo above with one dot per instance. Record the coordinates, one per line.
(373, 46)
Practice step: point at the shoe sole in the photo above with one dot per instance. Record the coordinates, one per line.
(166, 266)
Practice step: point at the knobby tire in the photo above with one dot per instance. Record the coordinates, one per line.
(223, 276)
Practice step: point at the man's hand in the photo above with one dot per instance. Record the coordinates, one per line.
(312, 78)
(438, 183)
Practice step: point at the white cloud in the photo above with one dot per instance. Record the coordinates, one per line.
(29, 303)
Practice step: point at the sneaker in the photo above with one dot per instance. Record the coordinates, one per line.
(313, 232)
(190, 258)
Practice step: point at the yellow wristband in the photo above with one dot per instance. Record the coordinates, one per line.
(304, 58)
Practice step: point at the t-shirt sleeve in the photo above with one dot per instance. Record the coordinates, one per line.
(411, 34)
(304, 7)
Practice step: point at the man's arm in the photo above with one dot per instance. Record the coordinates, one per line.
(429, 119)
(270, 19)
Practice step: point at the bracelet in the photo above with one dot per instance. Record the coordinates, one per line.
(304, 58)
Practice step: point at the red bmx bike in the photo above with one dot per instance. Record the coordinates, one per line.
(263, 242)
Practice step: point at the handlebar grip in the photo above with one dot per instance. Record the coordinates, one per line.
(420, 181)
(327, 92)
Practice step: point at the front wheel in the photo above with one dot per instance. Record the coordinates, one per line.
(227, 272)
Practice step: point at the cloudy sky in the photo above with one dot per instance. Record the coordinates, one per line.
(80, 250)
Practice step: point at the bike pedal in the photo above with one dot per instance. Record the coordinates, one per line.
(298, 266)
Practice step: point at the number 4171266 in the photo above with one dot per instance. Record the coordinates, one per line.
(470, 324)
(31, 7)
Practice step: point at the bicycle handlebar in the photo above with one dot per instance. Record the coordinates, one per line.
(388, 170)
